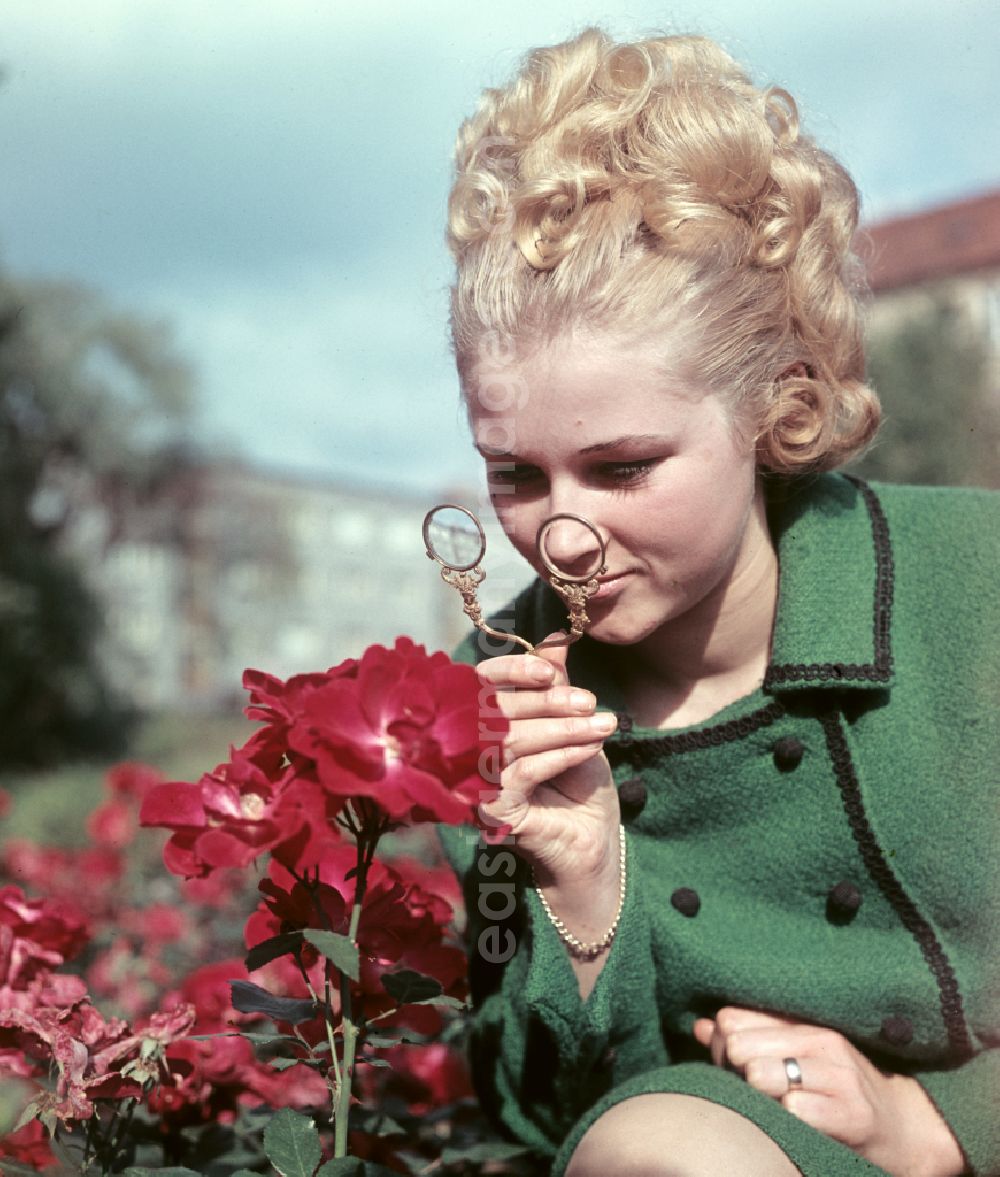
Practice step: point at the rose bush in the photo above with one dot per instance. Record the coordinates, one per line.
(339, 1032)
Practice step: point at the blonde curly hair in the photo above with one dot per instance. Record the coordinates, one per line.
(634, 187)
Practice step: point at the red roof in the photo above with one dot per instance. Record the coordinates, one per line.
(939, 243)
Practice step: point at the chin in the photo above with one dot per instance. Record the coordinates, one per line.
(615, 631)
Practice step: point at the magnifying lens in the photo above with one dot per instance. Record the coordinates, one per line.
(570, 548)
(454, 537)
(574, 577)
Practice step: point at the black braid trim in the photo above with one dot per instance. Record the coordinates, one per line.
(627, 749)
(880, 670)
(952, 1010)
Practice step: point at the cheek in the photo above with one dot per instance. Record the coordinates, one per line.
(707, 507)
(519, 523)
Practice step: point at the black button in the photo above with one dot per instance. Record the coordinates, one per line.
(897, 1031)
(624, 721)
(632, 798)
(788, 753)
(842, 902)
(686, 901)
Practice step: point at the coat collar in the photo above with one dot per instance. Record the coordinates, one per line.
(832, 628)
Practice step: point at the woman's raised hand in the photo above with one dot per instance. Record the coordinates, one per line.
(556, 790)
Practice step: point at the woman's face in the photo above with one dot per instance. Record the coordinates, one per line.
(591, 425)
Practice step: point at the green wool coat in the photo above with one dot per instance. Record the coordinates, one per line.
(824, 848)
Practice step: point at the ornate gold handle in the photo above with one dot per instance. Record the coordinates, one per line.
(459, 549)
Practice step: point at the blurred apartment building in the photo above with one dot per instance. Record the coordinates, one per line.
(950, 252)
(233, 566)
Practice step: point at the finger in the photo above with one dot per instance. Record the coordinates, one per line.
(799, 1041)
(535, 704)
(704, 1028)
(707, 1033)
(519, 782)
(517, 670)
(529, 737)
(820, 1077)
(731, 1018)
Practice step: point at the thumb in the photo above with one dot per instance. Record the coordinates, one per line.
(554, 650)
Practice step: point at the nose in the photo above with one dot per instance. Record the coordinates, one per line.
(570, 546)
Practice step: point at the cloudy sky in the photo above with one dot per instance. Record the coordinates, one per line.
(270, 176)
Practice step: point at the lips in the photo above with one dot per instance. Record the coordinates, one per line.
(607, 586)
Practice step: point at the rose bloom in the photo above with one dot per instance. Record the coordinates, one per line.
(94, 1058)
(57, 873)
(36, 936)
(231, 816)
(28, 1146)
(401, 727)
(210, 1079)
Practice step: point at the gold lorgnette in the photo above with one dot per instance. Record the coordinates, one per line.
(455, 539)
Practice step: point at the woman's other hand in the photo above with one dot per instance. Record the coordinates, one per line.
(888, 1119)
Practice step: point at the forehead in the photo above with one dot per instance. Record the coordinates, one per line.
(581, 381)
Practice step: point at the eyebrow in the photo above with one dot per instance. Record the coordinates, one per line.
(599, 447)
(626, 439)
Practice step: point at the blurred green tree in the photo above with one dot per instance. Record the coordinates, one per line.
(941, 415)
(93, 414)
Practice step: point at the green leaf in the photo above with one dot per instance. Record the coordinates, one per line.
(26, 1116)
(340, 949)
(408, 986)
(173, 1171)
(249, 998)
(382, 1041)
(478, 1154)
(352, 1167)
(445, 1001)
(292, 1144)
(267, 950)
(244, 1173)
(345, 1167)
(265, 1041)
(380, 1124)
(283, 1064)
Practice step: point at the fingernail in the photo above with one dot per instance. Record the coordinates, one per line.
(581, 700)
(540, 671)
(603, 723)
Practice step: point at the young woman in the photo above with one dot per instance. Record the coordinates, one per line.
(753, 811)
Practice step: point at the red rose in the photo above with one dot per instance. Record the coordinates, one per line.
(401, 727)
(131, 779)
(229, 817)
(36, 936)
(28, 1146)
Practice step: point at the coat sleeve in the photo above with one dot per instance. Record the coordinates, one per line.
(540, 1055)
(968, 1098)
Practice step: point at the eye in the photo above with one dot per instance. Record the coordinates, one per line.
(512, 475)
(626, 474)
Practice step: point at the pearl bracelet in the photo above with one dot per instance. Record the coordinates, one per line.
(578, 948)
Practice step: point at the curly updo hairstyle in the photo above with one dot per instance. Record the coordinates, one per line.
(651, 188)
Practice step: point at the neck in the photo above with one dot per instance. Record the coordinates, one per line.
(716, 653)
